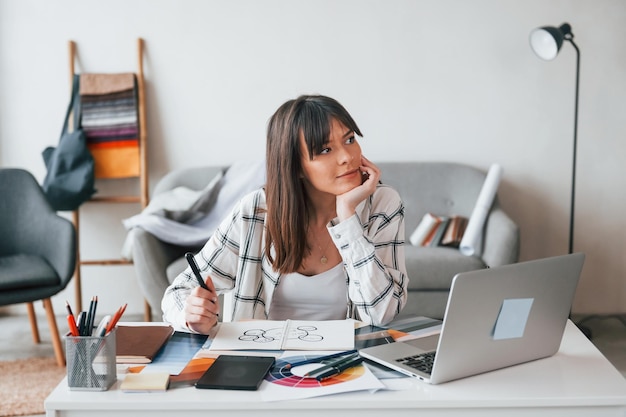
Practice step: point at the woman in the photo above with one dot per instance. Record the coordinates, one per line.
(322, 240)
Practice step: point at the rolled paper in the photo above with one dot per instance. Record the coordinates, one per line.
(471, 244)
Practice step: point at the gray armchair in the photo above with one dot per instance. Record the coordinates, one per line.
(157, 263)
(437, 187)
(37, 250)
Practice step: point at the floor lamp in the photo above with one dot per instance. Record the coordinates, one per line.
(546, 42)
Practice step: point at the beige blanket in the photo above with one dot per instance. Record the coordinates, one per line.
(98, 84)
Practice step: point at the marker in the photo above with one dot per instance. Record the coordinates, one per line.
(73, 328)
(81, 323)
(102, 327)
(336, 370)
(196, 271)
(332, 365)
(318, 360)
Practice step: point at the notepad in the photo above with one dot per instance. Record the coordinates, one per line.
(145, 382)
(285, 335)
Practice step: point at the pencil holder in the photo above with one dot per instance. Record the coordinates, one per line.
(91, 362)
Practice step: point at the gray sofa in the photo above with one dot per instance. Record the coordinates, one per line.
(437, 187)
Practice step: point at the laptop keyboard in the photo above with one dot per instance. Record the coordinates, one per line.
(423, 362)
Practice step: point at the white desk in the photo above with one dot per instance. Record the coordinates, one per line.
(577, 381)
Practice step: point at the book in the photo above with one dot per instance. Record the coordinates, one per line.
(454, 233)
(433, 231)
(424, 229)
(284, 335)
(145, 382)
(439, 232)
(140, 344)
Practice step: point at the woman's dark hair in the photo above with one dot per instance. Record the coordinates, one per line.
(287, 216)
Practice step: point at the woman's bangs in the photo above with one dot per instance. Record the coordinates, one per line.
(315, 127)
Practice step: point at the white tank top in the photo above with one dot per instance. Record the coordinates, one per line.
(318, 297)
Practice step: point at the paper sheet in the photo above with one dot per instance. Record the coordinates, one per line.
(290, 384)
(472, 241)
(176, 353)
(285, 335)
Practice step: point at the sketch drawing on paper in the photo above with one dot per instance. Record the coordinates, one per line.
(303, 333)
(284, 335)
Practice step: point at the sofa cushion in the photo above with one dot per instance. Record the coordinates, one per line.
(433, 187)
(433, 268)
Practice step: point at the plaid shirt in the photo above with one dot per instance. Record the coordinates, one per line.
(371, 244)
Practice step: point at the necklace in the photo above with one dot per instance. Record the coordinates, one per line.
(324, 259)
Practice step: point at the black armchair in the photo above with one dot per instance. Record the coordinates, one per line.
(37, 250)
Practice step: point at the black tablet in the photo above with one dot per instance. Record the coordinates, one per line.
(236, 372)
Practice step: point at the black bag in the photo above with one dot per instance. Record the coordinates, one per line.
(70, 179)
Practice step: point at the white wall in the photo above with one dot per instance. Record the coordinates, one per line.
(425, 79)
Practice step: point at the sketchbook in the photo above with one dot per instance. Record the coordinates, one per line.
(285, 335)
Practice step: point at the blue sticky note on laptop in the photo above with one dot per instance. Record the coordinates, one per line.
(512, 319)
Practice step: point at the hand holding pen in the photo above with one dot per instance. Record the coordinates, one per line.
(196, 272)
(202, 306)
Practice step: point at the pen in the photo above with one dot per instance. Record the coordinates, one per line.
(68, 308)
(81, 323)
(196, 271)
(86, 331)
(73, 328)
(319, 359)
(331, 365)
(91, 316)
(336, 370)
(115, 319)
(71, 320)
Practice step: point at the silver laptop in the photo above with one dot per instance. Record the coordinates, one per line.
(495, 318)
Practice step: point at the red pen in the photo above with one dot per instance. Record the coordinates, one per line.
(116, 317)
(73, 328)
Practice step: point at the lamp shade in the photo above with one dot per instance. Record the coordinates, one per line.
(547, 41)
